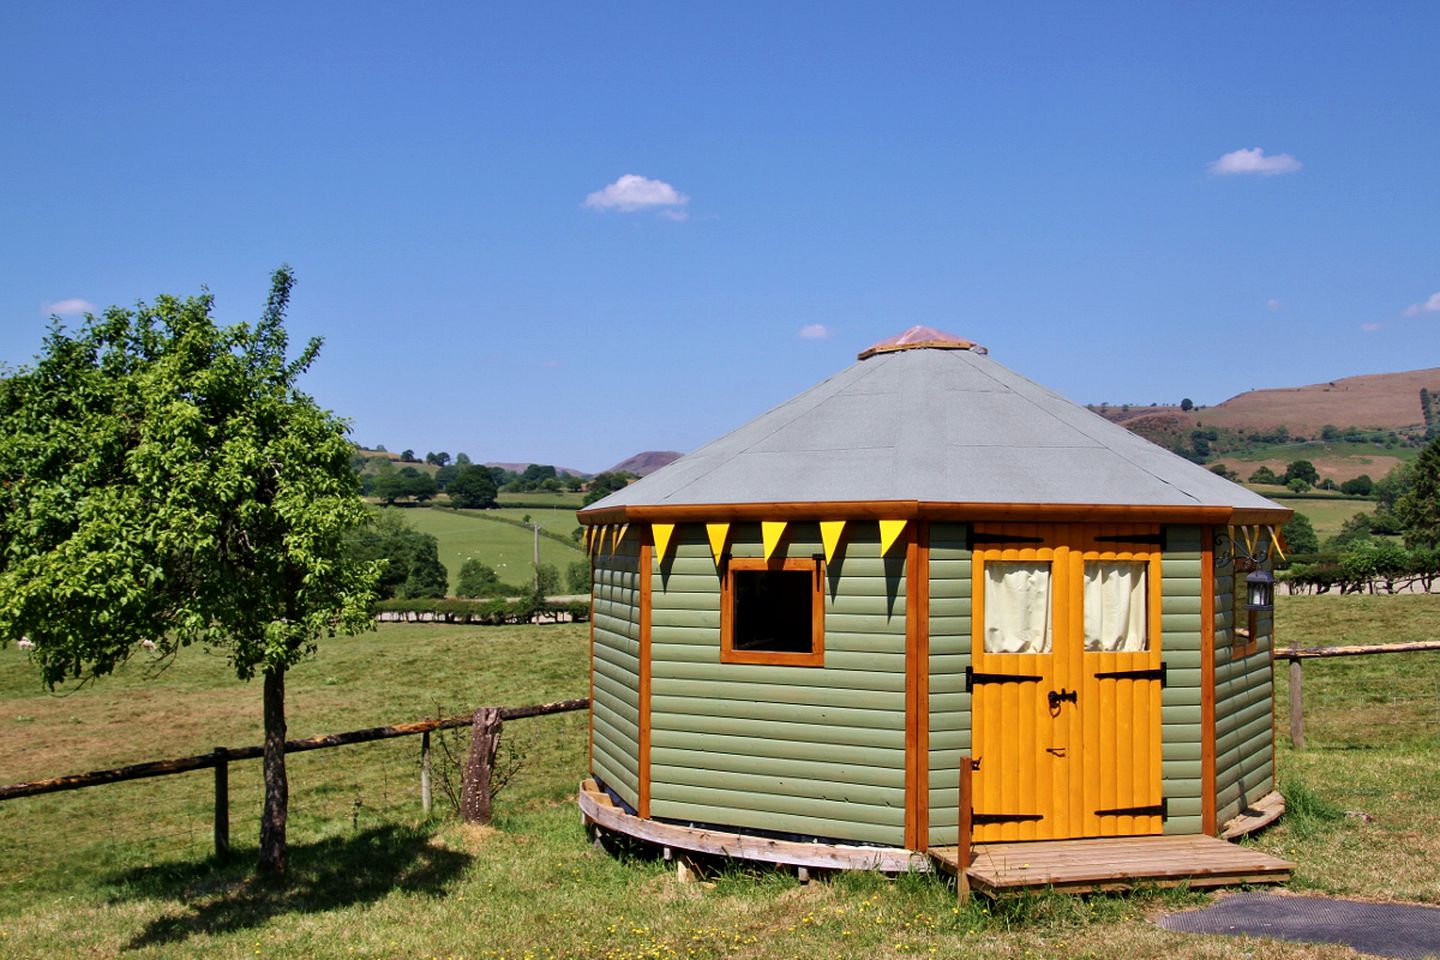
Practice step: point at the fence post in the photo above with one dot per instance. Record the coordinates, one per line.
(222, 803)
(963, 831)
(1297, 706)
(480, 765)
(425, 772)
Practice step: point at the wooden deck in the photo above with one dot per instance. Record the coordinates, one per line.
(1114, 863)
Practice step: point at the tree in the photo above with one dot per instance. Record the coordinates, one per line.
(438, 459)
(412, 567)
(1358, 486)
(1418, 511)
(1187, 404)
(547, 580)
(1264, 475)
(407, 456)
(472, 489)
(479, 580)
(577, 576)
(1300, 534)
(163, 479)
(462, 459)
(605, 484)
(1302, 470)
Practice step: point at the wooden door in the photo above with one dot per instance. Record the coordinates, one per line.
(1065, 681)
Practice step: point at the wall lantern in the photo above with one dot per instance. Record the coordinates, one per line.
(1260, 591)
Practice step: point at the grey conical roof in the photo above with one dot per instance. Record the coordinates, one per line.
(933, 425)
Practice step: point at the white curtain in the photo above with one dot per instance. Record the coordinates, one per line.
(1017, 606)
(1115, 606)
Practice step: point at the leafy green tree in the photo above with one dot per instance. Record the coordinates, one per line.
(472, 489)
(444, 475)
(1264, 475)
(163, 479)
(412, 567)
(1302, 470)
(1187, 404)
(1297, 485)
(1357, 529)
(1419, 509)
(462, 459)
(577, 576)
(547, 581)
(407, 456)
(1300, 535)
(604, 484)
(480, 580)
(1358, 486)
(438, 459)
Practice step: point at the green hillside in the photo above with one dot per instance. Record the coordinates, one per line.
(503, 546)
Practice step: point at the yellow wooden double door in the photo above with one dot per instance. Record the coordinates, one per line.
(1065, 681)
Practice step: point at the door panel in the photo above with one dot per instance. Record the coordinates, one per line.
(1064, 750)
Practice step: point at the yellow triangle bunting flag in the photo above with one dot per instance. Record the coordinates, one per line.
(770, 533)
(661, 533)
(830, 531)
(620, 531)
(890, 531)
(717, 532)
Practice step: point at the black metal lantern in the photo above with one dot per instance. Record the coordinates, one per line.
(1260, 591)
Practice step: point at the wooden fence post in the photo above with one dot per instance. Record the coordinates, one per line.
(480, 765)
(425, 772)
(1297, 706)
(963, 831)
(222, 803)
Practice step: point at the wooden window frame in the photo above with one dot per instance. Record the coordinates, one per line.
(728, 654)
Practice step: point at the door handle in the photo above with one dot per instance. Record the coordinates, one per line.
(1057, 697)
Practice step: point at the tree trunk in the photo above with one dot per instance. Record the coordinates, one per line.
(475, 795)
(277, 789)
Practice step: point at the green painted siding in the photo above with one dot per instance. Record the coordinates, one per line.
(1244, 707)
(815, 751)
(616, 709)
(950, 584)
(1181, 587)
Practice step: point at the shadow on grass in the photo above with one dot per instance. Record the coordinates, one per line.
(339, 872)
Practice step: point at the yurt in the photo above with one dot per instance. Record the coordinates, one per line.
(929, 603)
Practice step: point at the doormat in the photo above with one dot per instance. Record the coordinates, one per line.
(1384, 929)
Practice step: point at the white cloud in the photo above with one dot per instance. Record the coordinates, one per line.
(633, 192)
(1370, 327)
(815, 331)
(1430, 305)
(1253, 161)
(68, 308)
(1274, 305)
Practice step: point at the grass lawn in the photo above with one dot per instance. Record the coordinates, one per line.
(1325, 515)
(507, 548)
(109, 872)
(542, 501)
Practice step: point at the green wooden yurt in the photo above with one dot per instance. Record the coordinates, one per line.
(804, 630)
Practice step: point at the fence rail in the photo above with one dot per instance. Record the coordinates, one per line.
(1296, 655)
(486, 721)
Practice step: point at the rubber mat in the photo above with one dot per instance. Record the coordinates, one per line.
(1384, 929)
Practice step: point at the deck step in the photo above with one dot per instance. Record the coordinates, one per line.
(1114, 863)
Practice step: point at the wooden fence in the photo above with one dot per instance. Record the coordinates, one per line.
(486, 724)
(1296, 655)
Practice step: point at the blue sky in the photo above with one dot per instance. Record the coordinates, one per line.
(1126, 202)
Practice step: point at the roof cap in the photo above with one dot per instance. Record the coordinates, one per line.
(921, 338)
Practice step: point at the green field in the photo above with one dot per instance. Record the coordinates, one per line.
(1325, 514)
(1318, 450)
(542, 501)
(507, 548)
(122, 869)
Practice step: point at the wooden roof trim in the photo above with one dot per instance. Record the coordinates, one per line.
(914, 509)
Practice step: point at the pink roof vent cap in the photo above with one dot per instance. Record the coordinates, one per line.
(921, 338)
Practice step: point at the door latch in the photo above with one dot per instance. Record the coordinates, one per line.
(1057, 697)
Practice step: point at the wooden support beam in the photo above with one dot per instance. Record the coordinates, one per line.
(964, 832)
(425, 773)
(222, 804)
(1297, 706)
(480, 765)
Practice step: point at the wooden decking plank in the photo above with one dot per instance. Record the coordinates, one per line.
(1115, 863)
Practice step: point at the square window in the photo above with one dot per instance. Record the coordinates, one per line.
(773, 612)
(1117, 618)
(1017, 606)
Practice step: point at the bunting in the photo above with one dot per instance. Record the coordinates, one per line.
(830, 531)
(620, 531)
(770, 533)
(661, 532)
(890, 531)
(717, 532)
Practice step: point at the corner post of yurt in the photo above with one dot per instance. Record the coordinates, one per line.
(917, 685)
(590, 714)
(1207, 683)
(647, 550)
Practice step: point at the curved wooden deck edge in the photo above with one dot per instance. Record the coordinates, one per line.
(1257, 816)
(599, 810)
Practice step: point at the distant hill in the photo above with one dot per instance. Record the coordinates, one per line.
(646, 463)
(1385, 401)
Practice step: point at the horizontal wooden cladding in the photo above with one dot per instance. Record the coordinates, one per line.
(924, 510)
